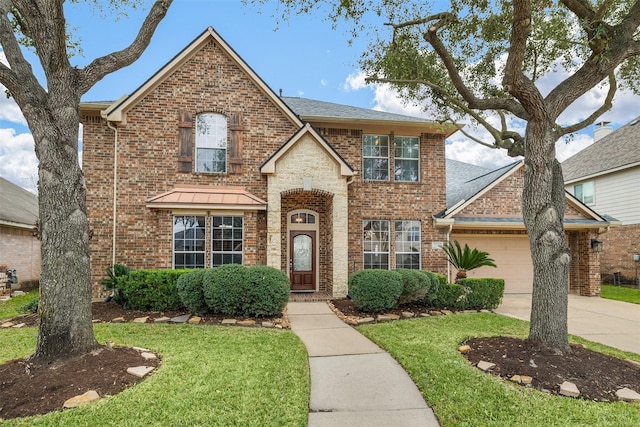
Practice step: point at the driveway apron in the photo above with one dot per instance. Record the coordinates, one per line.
(353, 381)
(614, 323)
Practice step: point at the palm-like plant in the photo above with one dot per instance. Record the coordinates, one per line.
(466, 259)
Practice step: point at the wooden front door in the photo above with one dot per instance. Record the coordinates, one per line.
(302, 260)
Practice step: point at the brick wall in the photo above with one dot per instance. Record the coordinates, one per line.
(619, 245)
(20, 251)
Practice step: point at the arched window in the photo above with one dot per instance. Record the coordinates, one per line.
(211, 143)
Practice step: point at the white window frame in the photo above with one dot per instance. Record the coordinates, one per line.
(373, 246)
(203, 240)
(233, 251)
(403, 245)
(398, 140)
(375, 140)
(211, 137)
(587, 199)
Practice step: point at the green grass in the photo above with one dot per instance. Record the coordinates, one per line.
(209, 376)
(461, 395)
(620, 293)
(10, 308)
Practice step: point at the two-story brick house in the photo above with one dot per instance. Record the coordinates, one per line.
(204, 165)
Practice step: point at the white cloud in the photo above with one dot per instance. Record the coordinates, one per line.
(18, 162)
(324, 82)
(355, 82)
(9, 110)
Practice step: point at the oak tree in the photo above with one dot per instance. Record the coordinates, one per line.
(485, 60)
(51, 109)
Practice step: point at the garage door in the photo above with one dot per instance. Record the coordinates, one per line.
(510, 253)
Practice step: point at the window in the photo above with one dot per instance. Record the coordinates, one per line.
(303, 218)
(375, 157)
(584, 192)
(211, 143)
(407, 244)
(188, 241)
(226, 240)
(376, 244)
(406, 156)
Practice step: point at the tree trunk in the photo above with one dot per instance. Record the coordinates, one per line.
(65, 281)
(543, 206)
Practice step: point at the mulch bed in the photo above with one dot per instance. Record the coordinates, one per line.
(30, 388)
(597, 376)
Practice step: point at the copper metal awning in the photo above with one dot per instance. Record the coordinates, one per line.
(207, 197)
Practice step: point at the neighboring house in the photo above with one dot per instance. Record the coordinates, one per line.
(19, 249)
(205, 165)
(484, 210)
(606, 177)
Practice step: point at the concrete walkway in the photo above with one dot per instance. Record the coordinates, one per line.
(614, 323)
(353, 381)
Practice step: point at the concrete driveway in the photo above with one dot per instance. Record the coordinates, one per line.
(609, 322)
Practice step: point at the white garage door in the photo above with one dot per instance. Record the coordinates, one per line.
(510, 253)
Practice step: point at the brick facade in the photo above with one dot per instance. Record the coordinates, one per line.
(20, 251)
(619, 245)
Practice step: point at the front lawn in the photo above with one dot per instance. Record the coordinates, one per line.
(11, 307)
(209, 376)
(620, 293)
(462, 395)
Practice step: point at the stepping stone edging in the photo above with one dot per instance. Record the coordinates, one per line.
(93, 396)
(567, 388)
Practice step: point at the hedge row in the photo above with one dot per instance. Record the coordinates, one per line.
(228, 289)
(378, 290)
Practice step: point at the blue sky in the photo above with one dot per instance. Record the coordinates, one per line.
(305, 57)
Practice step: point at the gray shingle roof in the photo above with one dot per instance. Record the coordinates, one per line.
(616, 150)
(305, 108)
(465, 180)
(17, 205)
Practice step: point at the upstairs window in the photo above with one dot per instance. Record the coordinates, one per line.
(211, 143)
(375, 157)
(584, 192)
(406, 157)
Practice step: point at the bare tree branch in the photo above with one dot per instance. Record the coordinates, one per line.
(606, 106)
(104, 65)
(581, 8)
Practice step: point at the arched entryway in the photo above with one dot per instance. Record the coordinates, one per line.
(302, 251)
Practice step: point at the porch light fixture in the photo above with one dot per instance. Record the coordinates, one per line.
(596, 245)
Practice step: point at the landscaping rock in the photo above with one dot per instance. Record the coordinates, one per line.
(516, 379)
(267, 324)
(141, 319)
(140, 371)
(163, 319)
(446, 312)
(464, 349)
(435, 313)
(425, 315)
(248, 322)
(7, 325)
(229, 321)
(628, 395)
(180, 319)
(569, 389)
(141, 349)
(19, 325)
(386, 317)
(118, 320)
(17, 293)
(485, 366)
(526, 379)
(365, 320)
(195, 320)
(407, 314)
(81, 400)
(148, 356)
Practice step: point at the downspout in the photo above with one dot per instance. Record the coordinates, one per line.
(115, 189)
(448, 263)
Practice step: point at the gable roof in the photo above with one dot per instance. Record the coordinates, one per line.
(269, 166)
(616, 151)
(314, 111)
(117, 111)
(18, 207)
(467, 183)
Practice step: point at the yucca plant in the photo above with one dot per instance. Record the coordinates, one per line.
(466, 259)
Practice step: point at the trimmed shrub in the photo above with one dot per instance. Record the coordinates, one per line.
(149, 290)
(266, 291)
(485, 293)
(375, 290)
(415, 285)
(224, 288)
(450, 295)
(437, 281)
(190, 289)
